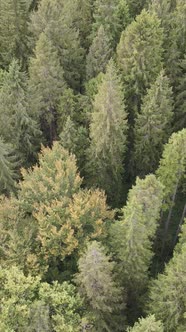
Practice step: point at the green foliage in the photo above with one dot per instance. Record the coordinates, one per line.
(8, 167)
(99, 54)
(108, 132)
(180, 104)
(153, 126)
(55, 20)
(148, 324)
(13, 31)
(132, 237)
(55, 176)
(171, 170)
(46, 82)
(97, 286)
(139, 55)
(167, 298)
(16, 123)
(29, 305)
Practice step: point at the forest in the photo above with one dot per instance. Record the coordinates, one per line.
(92, 165)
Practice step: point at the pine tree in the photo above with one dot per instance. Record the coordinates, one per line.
(108, 133)
(46, 84)
(56, 20)
(99, 54)
(13, 31)
(132, 236)
(153, 126)
(167, 298)
(136, 6)
(148, 324)
(17, 124)
(8, 167)
(96, 284)
(139, 55)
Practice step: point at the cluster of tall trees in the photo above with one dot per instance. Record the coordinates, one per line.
(92, 165)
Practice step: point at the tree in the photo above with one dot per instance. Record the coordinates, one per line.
(113, 15)
(135, 7)
(171, 172)
(132, 237)
(153, 125)
(99, 54)
(17, 125)
(139, 55)
(13, 31)
(96, 284)
(180, 104)
(46, 83)
(167, 294)
(27, 304)
(108, 133)
(8, 167)
(148, 324)
(56, 20)
(63, 216)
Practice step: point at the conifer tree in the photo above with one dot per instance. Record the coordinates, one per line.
(167, 298)
(13, 31)
(8, 167)
(46, 84)
(96, 284)
(180, 104)
(171, 172)
(56, 20)
(153, 125)
(99, 54)
(108, 133)
(17, 124)
(136, 6)
(139, 55)
(132, 237)
(148, 324)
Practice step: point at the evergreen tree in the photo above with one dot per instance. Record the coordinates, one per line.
(13, 31)
(139, 55)
(148, 324)
(97, 286)
(16, 122)
(167, 298)
(132, 237)
(153, 126)
(113, 15)
(46, 84)
(180, 104)
(55, 20)
(171, 172)
(8, 167)
(108, 133)
(99, 54)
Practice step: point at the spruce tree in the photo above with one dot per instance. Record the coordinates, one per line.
(171, 172)
(46, 84)
(167, 297)
(99, 54)
(132, 237)
(108, 134)
(180, 104)
(8, 167)
(13, 31)
(56, 20)
(96, 284)
(153, 126)
(139, 55)
(17, 124)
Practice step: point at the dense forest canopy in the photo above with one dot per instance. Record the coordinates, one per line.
(92, 165)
